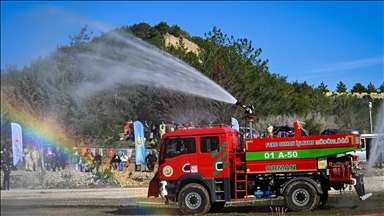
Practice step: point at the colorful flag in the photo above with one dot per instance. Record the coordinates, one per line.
(101, 152)
(111, 152)
(83, 151)
(139, 142)
(17, 144)
(93, 150)
(129, 153)
(120, 152)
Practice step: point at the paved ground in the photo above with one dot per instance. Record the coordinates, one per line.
(134, 201)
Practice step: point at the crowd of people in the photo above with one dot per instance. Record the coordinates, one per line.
(154, 131)
(89, 162)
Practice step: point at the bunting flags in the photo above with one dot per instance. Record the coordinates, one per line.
(129, 153)
(111, 152)
(17, 144)
(139, 142)
(83, 151)
(93, 150)
(120, 152)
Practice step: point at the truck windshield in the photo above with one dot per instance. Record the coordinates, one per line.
(178, 146)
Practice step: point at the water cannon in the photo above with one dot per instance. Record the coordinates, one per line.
(249, 112)
(248, 109)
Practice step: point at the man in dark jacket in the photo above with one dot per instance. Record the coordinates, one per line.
(115, 161)
(7, 170)
(97, 161)
(150, 160)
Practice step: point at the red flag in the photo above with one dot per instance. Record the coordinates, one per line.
(111, 152)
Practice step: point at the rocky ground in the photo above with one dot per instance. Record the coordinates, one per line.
(69, 178)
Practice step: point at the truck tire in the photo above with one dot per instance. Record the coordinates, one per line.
(323, 198)
(217, 207)
(301, 196)
(194, 199)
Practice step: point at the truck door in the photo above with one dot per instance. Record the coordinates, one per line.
(213, 157)
(179, 157)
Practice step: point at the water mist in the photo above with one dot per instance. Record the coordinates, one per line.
(377, 145)
(120, 58)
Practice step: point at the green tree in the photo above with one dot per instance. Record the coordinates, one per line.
(340, 87)
(371, 88)
(322, 87)
(358, 87)
(81, 39)
(175, 31)
(141, 30)
(162, 27)
(381, 88)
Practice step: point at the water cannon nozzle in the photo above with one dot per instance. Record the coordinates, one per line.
(239, 103)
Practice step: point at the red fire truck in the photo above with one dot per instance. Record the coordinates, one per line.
(203, 168)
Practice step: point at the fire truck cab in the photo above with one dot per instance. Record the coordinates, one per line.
(194, 167)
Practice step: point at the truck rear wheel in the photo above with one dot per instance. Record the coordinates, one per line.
(301, 196)
(194, 199)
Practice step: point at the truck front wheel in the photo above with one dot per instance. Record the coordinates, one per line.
(301, 196)
(194, 199)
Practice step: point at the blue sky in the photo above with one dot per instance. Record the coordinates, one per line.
(306, 41)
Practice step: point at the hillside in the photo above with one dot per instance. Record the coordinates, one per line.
(170, 39)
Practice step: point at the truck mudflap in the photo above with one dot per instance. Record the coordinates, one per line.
(359, 187)
(153, 189)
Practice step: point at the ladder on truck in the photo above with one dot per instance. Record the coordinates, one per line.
(240, 176)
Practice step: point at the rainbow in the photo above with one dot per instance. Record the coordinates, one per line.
(45, 132)
(38, 130)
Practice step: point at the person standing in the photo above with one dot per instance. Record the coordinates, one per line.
(173, 126)
(7, 170)
(28, 159)
(162, 129)
(150, 160)
(35, 158)
(97, 161)
(155, 129)
(53, 161)
(88, 157)
(270, 131)
(10, 160)
(4, 156)
(146, 130)
(47, 161)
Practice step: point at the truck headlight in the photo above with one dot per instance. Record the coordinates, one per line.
(322, 163)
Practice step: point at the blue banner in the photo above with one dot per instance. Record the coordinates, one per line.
(139, 142)
(17, 144)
